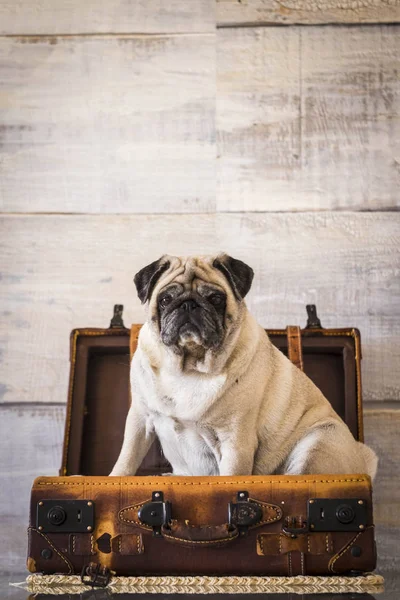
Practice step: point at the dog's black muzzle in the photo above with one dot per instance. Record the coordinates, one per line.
(191, 314)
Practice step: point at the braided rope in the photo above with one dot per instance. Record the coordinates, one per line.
(71, 584)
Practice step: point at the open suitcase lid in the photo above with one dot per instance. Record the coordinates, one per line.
(99, 397)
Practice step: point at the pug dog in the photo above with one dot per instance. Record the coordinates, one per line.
(221, 397)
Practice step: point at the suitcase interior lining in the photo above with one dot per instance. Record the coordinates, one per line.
(99, 393)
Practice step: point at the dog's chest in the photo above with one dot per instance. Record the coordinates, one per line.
(187, 397)
(191, 448)
(177, 407)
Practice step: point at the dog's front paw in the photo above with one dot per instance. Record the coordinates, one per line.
(119, 472)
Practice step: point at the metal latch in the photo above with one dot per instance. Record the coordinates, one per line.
(65, 516)
(313, 321)
(116, 321)
(336, 514)
(243, 513)
(96, 575)
(156, 513)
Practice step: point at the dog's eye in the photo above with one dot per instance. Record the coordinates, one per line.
(216, 299)
(165, 300)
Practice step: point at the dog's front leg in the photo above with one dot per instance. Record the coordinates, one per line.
(137, 442)
(236, 459)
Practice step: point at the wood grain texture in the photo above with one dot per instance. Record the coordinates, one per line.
(31, 441)
(107, 124)
(61, 272)
(307, 12)
(30, 445)
(381, 428)
(115, 16)
(308, 118)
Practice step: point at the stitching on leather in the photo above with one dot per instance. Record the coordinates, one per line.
(55, 549)
(302, 562)
(325, 332)
(74, 545)
(236, 483)
(138, 541)
(328, 544)
(209, 542)
(133, 508)
(310, 539)
(290, 562)
(175, 521)
(343, 551)
(263, 505)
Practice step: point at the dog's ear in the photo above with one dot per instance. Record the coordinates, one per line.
(238, 274)
(146, 278)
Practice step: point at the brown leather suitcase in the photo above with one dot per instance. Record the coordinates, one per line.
(253, 525)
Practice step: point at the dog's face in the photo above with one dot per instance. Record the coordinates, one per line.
(194, 301)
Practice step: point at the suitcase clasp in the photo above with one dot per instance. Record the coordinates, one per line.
(244, 513)
(156, 513)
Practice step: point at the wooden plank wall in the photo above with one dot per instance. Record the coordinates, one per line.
(130, 129)
(307, 12)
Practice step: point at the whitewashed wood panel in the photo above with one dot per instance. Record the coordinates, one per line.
(31, 443)
(112, 16)
(31, 440)
(102, 125)
(381, 429)
(382, 433)
(61, 272)
(308, 118)
(289, 12)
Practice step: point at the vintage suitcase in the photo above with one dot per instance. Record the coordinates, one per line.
(261, 525)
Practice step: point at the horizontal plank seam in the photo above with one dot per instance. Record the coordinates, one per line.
(30, 405)
(293, 23)
(379, 405)
(111, 35)
(198, 214)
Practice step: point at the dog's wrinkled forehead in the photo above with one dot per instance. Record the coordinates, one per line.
(193, 271)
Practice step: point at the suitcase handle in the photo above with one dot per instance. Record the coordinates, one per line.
(197, 536)
(242, 514)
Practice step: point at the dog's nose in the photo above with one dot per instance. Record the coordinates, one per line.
(189, 305)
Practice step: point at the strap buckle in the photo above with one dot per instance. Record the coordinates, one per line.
(292, 531)
(95, 575)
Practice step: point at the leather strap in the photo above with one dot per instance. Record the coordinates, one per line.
(133, 340)
(295, 352)
(273, 544)
(81, 544)
(127, 544)
(197, 536)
